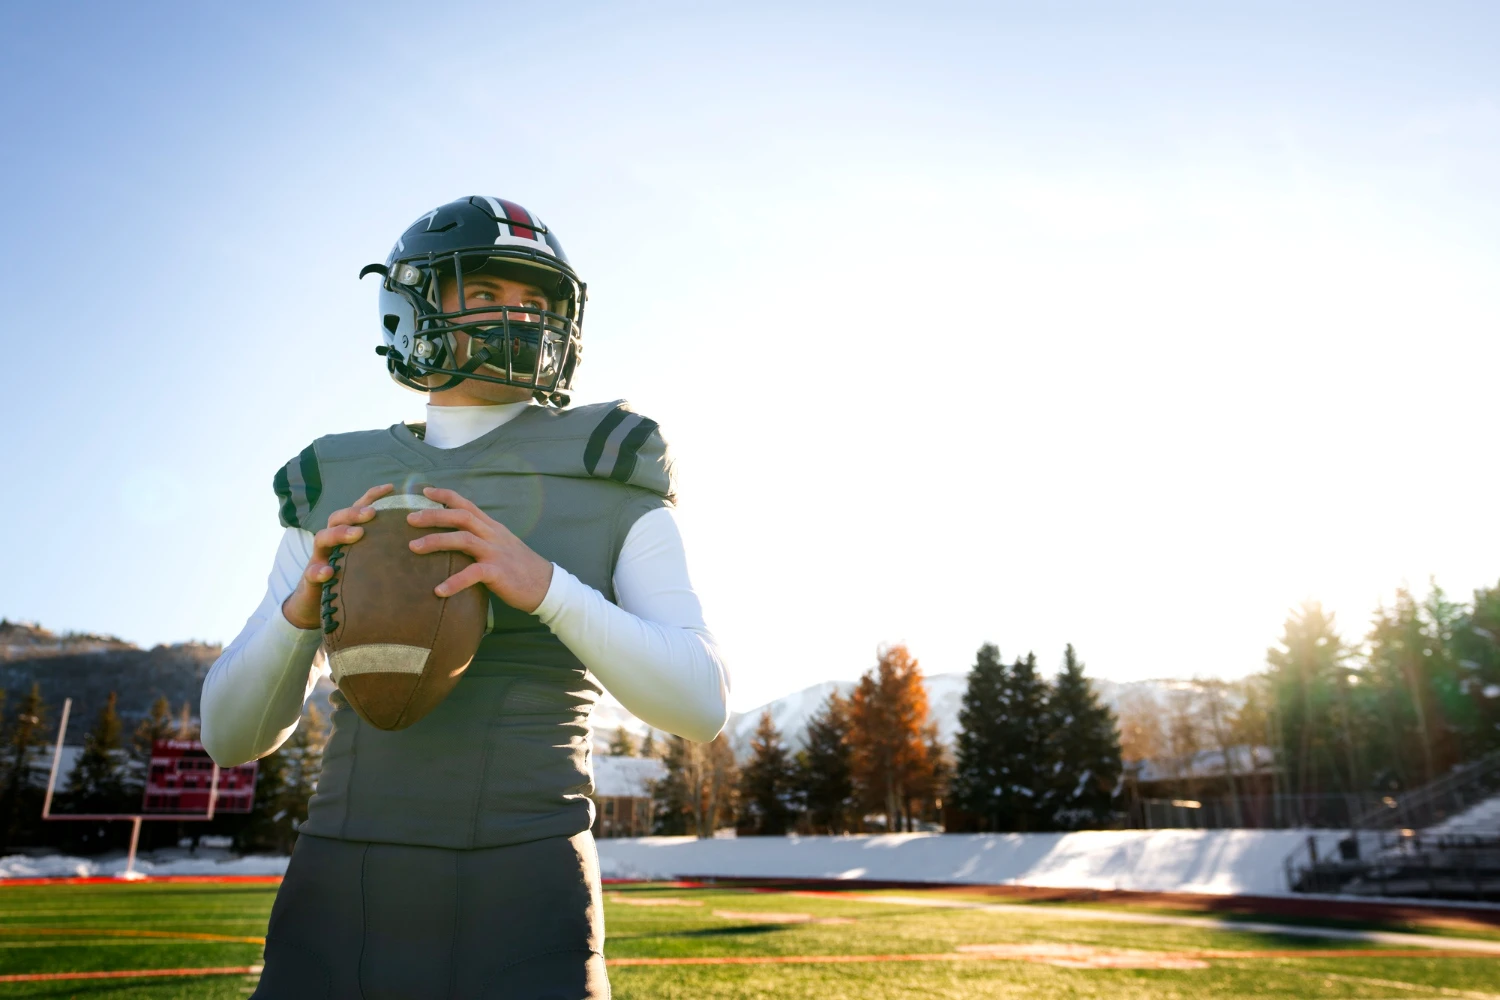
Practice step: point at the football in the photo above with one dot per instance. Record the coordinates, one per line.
(394, 647)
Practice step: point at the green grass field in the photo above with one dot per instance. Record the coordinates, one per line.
(719, 942)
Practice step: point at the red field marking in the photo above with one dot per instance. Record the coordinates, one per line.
(37, 977)
(110, 880)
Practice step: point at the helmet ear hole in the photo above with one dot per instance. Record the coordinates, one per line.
(391, 322)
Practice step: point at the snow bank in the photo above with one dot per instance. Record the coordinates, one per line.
(66, 866)
(1220, 862)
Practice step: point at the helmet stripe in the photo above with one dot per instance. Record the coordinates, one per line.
(520, 220)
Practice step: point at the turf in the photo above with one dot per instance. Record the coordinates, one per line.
(71, 928)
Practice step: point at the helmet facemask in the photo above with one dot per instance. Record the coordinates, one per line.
(536, 349)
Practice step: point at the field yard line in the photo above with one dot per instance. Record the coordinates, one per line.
(958, 956)
(38, 977)
(108, 932)
(1206, 923)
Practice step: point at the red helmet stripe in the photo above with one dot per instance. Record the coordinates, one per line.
(520, 220)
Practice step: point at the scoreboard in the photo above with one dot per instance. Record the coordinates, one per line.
(180, 775)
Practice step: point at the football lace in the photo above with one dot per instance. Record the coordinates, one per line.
(330, 623)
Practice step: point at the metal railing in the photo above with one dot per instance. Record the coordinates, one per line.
(1251, 812)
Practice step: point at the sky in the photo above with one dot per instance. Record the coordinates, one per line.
(1126, 325)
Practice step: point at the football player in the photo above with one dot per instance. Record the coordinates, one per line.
(453, 858)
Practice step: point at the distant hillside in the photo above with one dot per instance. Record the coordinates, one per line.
(29, 641)
(137, 676)
(790, 712)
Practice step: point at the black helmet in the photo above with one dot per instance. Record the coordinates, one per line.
(537, 350)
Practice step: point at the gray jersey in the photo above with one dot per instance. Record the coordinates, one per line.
(505, 759)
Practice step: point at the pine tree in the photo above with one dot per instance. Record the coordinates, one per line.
(268, 827)
(649, 746)
(1476, 642)
(97, 784)
(623, 743)
(1025, 771)
(285, 780)
(824, 775)
(766, 783)
(159, 725)
(1085, 750)
(1309, 679)
(23, 738)
(978, 771)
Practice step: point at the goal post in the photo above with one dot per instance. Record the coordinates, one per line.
(135, 819)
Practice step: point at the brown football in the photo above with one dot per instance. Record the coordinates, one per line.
(394, 647)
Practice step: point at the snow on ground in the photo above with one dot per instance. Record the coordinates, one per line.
(1219, 862)
(206, 862)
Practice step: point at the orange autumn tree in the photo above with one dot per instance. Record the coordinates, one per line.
(892, 760)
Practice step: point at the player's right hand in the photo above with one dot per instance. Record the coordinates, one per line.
(304, 607)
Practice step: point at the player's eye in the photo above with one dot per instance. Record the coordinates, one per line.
(482, 296)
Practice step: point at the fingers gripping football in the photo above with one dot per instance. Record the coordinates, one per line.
(303, 606)
(502, 562)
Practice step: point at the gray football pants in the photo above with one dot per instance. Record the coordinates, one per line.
(358, 921)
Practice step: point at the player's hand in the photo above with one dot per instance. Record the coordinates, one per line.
(502, 562)
(304, 607)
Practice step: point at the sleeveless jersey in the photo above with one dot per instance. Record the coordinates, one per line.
(506, 758)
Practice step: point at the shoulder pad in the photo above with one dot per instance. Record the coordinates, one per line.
(298, 485)
(629, 448)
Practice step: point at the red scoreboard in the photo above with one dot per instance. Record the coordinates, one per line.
(179, 779)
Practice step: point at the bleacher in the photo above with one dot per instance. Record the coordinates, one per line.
(1441, 841)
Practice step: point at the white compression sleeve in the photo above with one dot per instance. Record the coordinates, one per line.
(254, 693)
(652, 651)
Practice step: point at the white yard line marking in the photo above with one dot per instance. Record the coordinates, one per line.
(1205, 923)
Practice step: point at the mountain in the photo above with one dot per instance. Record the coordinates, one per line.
(88, 667)
(790, 712)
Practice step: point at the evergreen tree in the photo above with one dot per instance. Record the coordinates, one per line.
(649, 746)
(824, 775)
(766, 783)
(1476, 643)
(1085, 750)
(622, 744)
(1309, 682)
(1024, 766)
(268, 827)
(977, 776)
(97, 784)
(158, 725)
(1415, 685)
(285, 780)
(20, 792)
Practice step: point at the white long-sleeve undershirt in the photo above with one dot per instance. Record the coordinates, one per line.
(652, 651)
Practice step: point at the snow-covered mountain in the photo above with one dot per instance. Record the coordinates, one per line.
(790, 712)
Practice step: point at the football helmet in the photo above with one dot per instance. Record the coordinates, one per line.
(510, 345)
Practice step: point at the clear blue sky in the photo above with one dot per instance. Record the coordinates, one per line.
(1129, 325)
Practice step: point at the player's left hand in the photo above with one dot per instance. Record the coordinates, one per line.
(502, 562)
